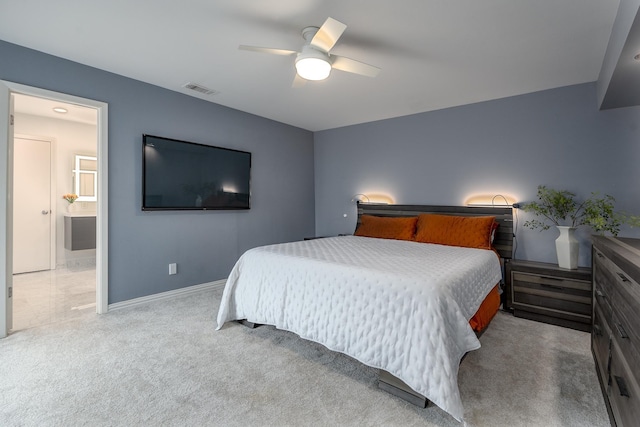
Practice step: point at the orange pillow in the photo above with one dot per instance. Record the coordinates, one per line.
(466, 231)
(387, 228)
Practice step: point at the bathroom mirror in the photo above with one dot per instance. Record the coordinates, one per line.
(85, 178)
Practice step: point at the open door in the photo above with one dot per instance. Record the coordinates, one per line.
(6, 209)
(34, 224)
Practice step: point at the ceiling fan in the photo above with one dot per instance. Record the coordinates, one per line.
(314, 61)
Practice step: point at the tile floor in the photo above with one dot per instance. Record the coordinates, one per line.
(51, 296)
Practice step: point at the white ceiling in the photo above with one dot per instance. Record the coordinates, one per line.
(44, 107)
(433, 54)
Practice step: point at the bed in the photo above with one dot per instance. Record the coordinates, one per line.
(393, 303)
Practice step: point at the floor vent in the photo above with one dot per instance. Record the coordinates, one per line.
(199, 88)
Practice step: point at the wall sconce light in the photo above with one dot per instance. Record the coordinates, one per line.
(382, 199)
(373, 198)
(360, 198)
(492, 200)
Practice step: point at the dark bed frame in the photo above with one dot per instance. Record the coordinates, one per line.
(503, 243)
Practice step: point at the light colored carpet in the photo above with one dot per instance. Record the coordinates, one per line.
(164, 364)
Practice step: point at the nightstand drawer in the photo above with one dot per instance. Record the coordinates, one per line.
(527, 300)
(559, 284)
(555, 293)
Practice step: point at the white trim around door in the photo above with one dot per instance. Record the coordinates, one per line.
(6, 153)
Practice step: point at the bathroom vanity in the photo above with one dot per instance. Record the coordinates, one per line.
(79, 231)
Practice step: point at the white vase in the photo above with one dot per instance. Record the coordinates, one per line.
(71, 207)
(567, 248)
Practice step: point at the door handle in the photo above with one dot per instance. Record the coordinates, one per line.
(622, 386)
(623, 277)
(45, 212)
(558, 288)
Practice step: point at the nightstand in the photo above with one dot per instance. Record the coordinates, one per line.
(550, 294)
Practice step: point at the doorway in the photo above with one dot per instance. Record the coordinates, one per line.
(52, 281)
(7, 90)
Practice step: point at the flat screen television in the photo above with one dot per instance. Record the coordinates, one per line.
(180, 175)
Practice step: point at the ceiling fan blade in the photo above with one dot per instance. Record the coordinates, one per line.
(352, 66)
(328, 34)
(267, 50)
(298, 82)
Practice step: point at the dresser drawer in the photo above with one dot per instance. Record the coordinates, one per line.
(604, 284)
(625, 330)
(616, 274)
(611, 279)
(624, 392)
(603, 301)
(601, 342)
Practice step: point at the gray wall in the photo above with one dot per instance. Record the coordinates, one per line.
(508, 146)
(204, 244)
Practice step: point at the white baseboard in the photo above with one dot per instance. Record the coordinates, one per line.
(218, 284)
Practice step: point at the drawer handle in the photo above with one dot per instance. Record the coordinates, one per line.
(623, 277)
(558, 288)
(599, 255)
(600, 294)
(622, 386)
(621, 331)
(597, 330)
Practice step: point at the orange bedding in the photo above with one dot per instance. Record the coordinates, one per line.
(487, 310)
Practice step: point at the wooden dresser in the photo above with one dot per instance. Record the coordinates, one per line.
(615, 336)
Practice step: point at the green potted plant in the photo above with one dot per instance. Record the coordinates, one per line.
(560, 208)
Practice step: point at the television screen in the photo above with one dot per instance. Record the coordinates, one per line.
(179, 175)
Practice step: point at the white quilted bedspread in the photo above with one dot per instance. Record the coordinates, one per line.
(395, 305)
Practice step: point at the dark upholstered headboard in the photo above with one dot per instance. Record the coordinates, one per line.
(503, 241)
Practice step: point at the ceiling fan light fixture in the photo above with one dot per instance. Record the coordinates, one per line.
(312, 64)
(313, 68)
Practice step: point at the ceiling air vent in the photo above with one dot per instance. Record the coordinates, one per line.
(199, 88)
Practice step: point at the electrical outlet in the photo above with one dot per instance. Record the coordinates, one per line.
(173, 268)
